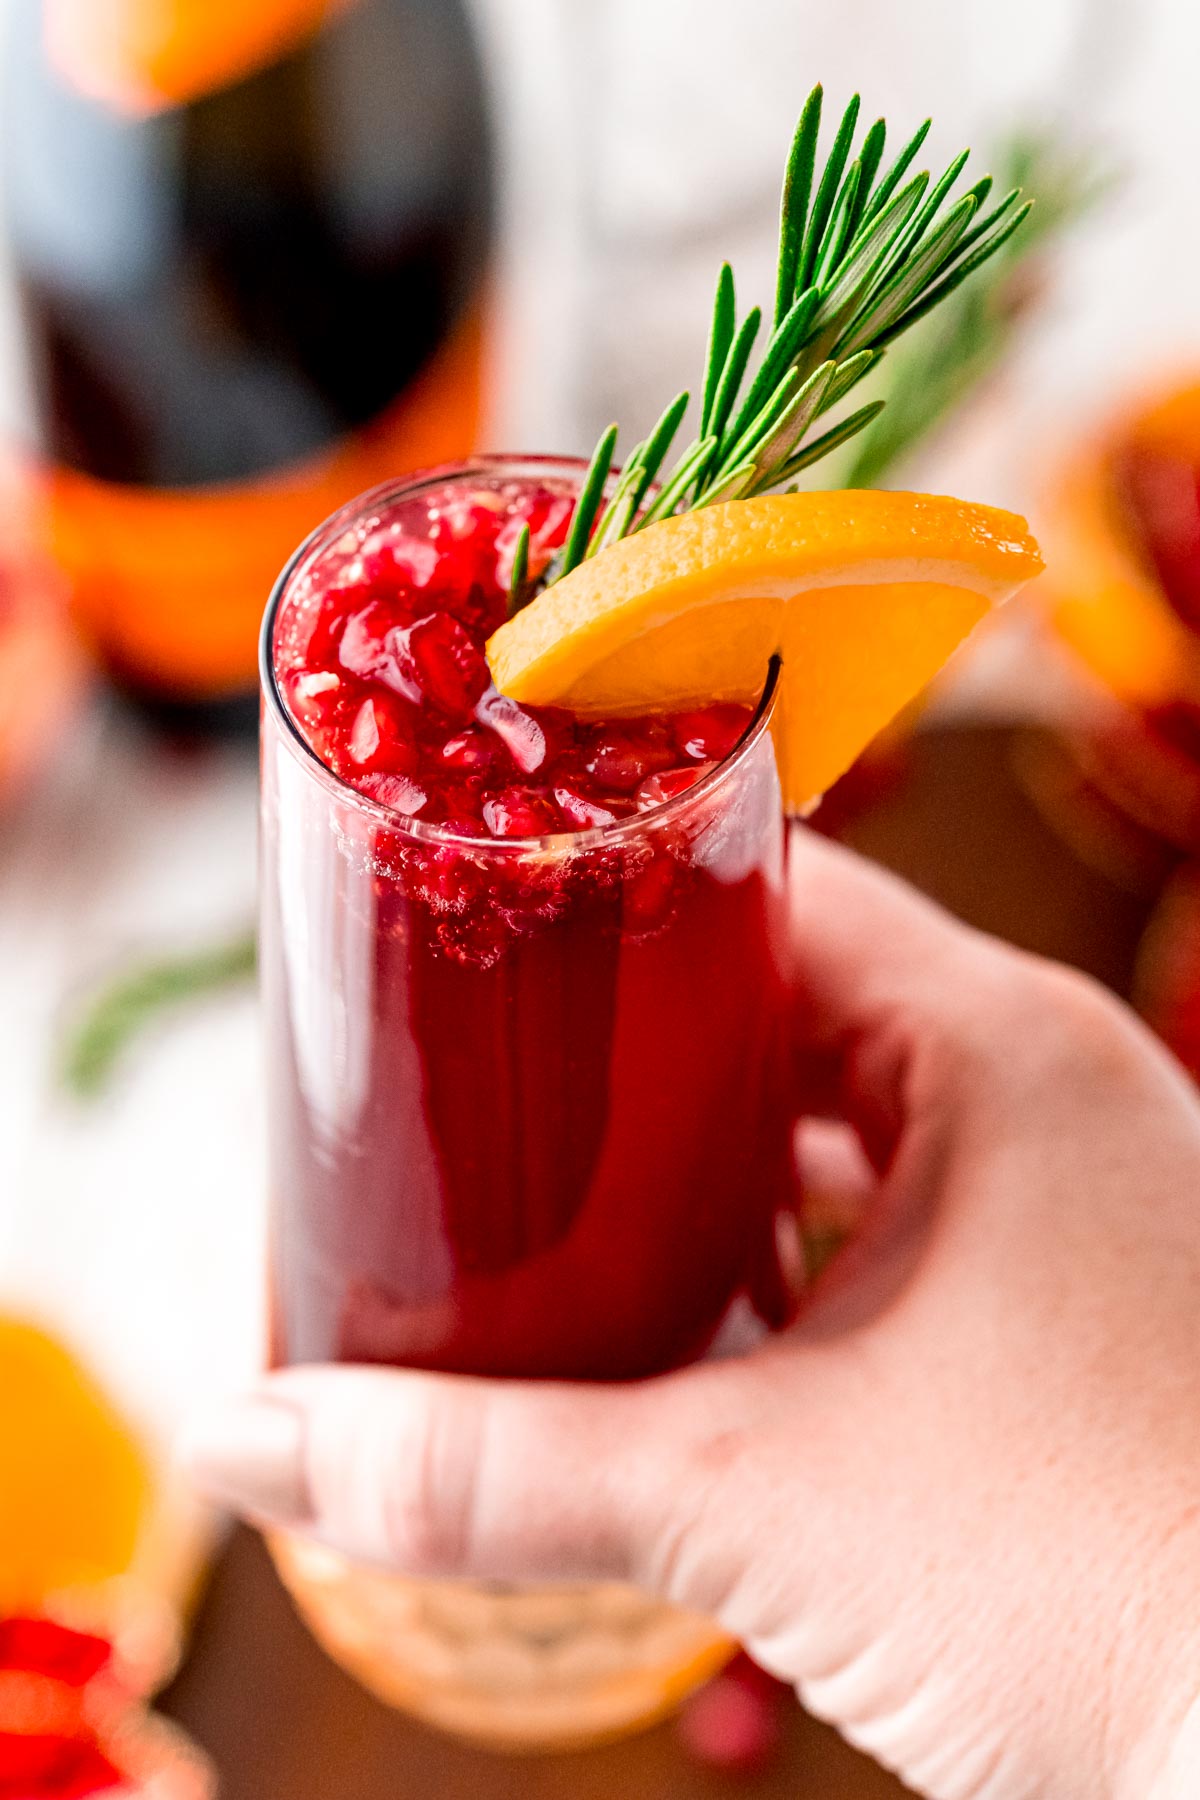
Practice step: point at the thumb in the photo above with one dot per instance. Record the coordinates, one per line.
(437, 1475)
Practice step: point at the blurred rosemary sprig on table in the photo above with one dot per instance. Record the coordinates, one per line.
(951, 356)
(864, 253)
(125, 1005)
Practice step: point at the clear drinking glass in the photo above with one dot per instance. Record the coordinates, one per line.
(526, 1120)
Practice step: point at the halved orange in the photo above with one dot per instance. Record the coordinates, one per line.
(74, 1485)
(865, 595)
(1104, 597)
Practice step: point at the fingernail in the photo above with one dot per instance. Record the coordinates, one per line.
(249, 1456)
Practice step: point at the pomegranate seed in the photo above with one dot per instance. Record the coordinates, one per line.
(710, 734)
(478, 941)
(671, 782)
(519, 731)
(396, 791)
(622, 757)
(735, 1724)
(394, 560)
(392, 690)
(314, 698)
(375, 648)
(471, 750)
(648, 895)
(380, 738)
(449, 665)
(322, 646)
(583, 814)
(520, 812)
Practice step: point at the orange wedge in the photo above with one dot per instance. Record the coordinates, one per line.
(74, 1486)
(865, 594)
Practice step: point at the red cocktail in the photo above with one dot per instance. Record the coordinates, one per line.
(523, 991)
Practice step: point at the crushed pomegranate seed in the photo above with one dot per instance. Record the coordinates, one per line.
(381, 653)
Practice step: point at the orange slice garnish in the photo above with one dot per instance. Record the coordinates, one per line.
(865, 594)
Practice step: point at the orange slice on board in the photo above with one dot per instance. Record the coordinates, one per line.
(74, 1485)
(865, 595)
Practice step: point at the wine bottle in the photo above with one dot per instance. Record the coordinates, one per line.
(249, 244)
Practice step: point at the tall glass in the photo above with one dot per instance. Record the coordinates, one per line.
(526, 1120)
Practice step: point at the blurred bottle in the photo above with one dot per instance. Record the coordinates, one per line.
(249, 240)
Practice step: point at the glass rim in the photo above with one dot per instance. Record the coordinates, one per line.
(430, 831)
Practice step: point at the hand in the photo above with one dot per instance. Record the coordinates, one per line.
(958, 1504)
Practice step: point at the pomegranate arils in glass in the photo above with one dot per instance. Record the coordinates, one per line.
(321, 651)
(391, 688)
(622, 756)
(381, 739)
(450, 667)
(392, 560)
(397, 791)
(583, 814)
(521, 812)
(648, 895)
(665, 786)
(375, 648)
(710, 734)
(518, 730)
(472, 750)
(314, 698)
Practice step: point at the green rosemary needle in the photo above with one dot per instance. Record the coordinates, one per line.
(862, 257)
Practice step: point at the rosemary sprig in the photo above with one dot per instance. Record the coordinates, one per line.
(130, 1001)
(862, 257)
(946, 362)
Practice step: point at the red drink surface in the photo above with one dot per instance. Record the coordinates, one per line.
(526, 1106)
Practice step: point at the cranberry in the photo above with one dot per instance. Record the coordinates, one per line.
(449, 665)
(657, 788)
(520, 812)
(624, 755)
(711, 733)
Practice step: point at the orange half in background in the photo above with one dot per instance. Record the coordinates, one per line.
(75, 1488)
(1104, 598)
